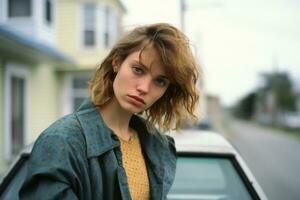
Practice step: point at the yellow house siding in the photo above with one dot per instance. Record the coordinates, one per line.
(41, 104)
(90, 60)
(68, 25)
(69, 18)
(43, 100)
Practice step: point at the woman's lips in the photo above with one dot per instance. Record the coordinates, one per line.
(136, 100)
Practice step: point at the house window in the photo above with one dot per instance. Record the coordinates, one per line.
(89, 21)
(17, 108)
(15, 120)
(48, 11)
(19, 8)
(80, 90)
(100, 26)
(107, 26)
(111, 28)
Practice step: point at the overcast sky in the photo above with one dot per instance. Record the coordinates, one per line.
(235, 40)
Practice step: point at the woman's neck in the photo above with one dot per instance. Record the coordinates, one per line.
(117, 119)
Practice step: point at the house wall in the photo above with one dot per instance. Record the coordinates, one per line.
(44, 31)
(33, 26)
(11, 68)
(44, 100)
(45, 97)
(2, 13)
(70, 41)
(2, 166)
(67, 26)
(41, 103)
(69, 31)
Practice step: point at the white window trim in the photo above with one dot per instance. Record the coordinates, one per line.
(13, 69)
(66, 96)
(52, 24)
(99, 27)
(78, 92)
(107, 21)
(67, 93)
(81, 28)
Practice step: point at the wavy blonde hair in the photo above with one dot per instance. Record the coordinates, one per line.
(181, 97)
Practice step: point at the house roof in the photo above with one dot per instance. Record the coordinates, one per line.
(15, 45)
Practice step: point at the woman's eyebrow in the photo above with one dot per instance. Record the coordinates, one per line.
(136, 62)
(163, 76)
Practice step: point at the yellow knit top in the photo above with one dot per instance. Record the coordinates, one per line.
(135, 168)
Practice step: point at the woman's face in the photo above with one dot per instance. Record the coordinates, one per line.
(140, 82)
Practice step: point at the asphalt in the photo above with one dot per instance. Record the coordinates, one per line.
(273, 157)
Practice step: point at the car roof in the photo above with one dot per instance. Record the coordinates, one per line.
(201, 141)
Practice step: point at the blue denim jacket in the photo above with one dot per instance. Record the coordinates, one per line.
(79, 157)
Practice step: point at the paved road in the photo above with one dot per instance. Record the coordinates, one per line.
(272, 157)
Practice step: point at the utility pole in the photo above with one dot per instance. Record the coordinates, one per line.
(182, 15)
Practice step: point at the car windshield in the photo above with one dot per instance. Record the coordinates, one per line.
(207, 178)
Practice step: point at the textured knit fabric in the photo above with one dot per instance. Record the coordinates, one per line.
(135, 168)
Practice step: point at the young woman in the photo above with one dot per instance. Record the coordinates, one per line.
(109, 148)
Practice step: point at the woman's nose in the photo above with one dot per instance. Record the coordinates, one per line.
(144, 85)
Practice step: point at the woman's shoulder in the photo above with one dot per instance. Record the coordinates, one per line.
(168, 142)
(65, 131)
(65, 127)
(58, 155)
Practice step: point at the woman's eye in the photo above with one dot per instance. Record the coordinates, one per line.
(161, 82)
(137, 70)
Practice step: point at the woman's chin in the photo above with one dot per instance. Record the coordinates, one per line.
(134, 111)
(131, 109)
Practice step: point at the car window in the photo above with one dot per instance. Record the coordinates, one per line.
(207, 178)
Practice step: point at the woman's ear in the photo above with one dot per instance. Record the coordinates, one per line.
(115, 64)
(115, 68)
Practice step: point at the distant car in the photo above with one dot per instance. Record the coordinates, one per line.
(291, 120)
(209, 168)
(204, 125)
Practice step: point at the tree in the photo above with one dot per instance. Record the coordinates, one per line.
(281, 87)
(246, 106)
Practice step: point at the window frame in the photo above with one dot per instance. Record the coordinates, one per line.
(51, 16)
(82, 27)
(19, 71)
(31, 7)
(106, 31)
(79, 92)
(68, 92)
(100, 26)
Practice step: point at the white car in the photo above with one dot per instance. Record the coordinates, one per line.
(209, 168)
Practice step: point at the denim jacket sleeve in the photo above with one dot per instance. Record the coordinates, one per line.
(55, 165)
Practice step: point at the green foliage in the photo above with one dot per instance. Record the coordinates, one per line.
(246, 107)
(281, 87)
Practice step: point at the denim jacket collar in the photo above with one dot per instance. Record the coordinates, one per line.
(155, 146)
(100, 138)
(97, 135)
